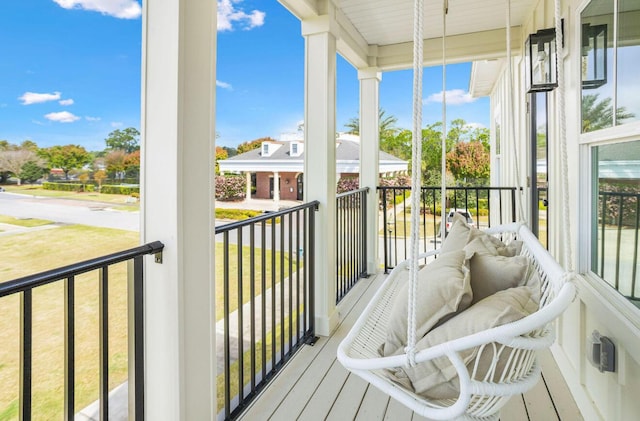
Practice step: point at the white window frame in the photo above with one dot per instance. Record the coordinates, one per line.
(587, 141)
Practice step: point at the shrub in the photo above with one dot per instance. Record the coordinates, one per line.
(68, 187)
(231, 187)
(126, 190)
(236, 214)
(347, 184)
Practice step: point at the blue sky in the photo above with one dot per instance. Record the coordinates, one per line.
(70, 73)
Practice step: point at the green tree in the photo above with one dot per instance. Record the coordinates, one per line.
(132, 164)
(31, 171)
(126, 140)
(115, 162)
(221, 154)
(13, 159)
(67, 158)
(597, 115)
(99, 176)
(398, 145)
(253, 144)
(386, 125)
(469, 161)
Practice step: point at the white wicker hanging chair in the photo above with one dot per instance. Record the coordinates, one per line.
(481, 394)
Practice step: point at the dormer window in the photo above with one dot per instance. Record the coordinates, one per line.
(296, 148)
(265, 149)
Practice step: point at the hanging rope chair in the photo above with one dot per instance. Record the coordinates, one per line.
(451, 369)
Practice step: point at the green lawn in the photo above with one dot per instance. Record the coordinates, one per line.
(29, 222)
(33, 252)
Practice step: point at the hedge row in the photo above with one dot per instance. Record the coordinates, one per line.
(128, 190)
(68, 187)
(106, 189)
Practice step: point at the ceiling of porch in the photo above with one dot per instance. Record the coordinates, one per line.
(379, 33)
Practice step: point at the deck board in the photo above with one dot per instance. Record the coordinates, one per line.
(374, 405)
(349, 400)
(314, 386)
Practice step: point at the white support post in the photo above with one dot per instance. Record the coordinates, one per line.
(248, 178)
(320, 159)
(178, 149)
(276, 186)
(370, 157)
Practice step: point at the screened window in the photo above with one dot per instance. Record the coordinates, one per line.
(610, 59)
(616, 186)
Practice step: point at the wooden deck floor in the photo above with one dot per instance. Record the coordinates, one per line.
(314, 386)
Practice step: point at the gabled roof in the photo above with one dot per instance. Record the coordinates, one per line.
(347, 159)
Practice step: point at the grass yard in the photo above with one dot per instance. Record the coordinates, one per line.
(33, 252)
(246, 278)
(29, 253)
(28, 223)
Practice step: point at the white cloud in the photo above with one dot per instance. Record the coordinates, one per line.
(123, 9)
(474, 126)
(453, 97)
(66, 102)
(62, 117)
(231, 17)
(39, 123)
(89, 118)
(115, 124)
(29, 98)
(224, 85)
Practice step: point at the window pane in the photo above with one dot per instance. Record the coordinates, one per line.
(617, 209)
(597, 65)
(628, 61)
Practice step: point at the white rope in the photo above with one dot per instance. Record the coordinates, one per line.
(512, 119)
(443, 155)
(564, 156)
(416, 179)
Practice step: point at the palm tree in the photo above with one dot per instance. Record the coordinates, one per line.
(597, 115)
(386, 125)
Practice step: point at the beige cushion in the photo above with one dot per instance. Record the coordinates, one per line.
(443, 289)
(479, 242)
(458, 235)
(490, 274)
(437, 379)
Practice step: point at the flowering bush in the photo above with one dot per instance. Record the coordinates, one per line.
(346, 184)
(231, 188)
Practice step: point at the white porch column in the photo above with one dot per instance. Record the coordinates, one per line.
(276, 186)
(320, 159)
(369, 156)
(248, 178)
(178, 147)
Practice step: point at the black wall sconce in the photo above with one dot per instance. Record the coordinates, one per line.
(540, 61)
(594, 56)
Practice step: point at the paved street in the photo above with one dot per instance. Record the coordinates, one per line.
(68, 211)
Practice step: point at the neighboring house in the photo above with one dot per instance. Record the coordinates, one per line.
(276, 169)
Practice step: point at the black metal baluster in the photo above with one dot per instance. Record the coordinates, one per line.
(69, 348)
(635, 250)
(290, 279)
(138, 298)
(282, 304)
(240, 339)
(26, 344)
(104, 342)
(263, 286)
(252, 297)
(227, 342)
(274, 338)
